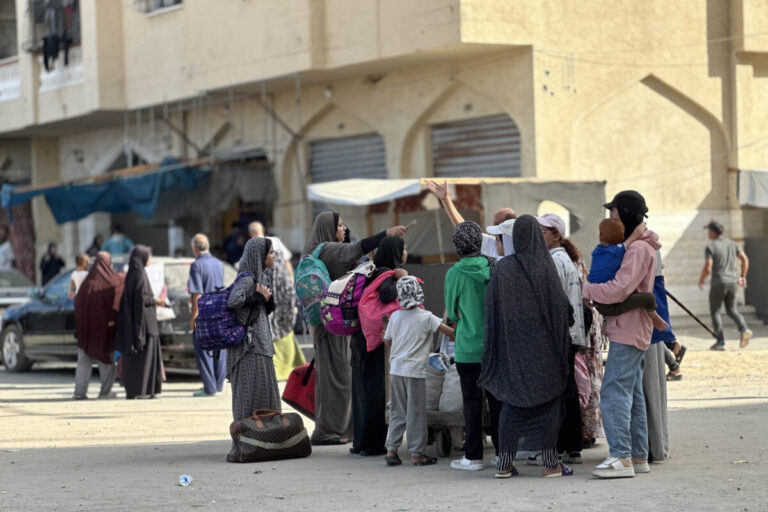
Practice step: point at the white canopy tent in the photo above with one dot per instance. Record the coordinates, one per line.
(430, 236)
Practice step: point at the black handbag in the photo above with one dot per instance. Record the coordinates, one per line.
(269, 435)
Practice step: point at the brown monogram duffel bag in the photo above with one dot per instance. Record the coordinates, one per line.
(269, 435)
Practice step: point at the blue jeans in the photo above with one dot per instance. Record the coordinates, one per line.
(623, 404)
(212, 371)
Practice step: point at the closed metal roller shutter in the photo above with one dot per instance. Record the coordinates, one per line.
(362, 156)
(483, 147)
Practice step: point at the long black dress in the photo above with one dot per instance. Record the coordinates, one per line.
(137, 332)
(369, 394)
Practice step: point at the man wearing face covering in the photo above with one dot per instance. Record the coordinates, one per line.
(622, 401)
(333, 386)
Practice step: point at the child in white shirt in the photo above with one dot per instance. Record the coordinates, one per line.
(78, 276)
(409, 333)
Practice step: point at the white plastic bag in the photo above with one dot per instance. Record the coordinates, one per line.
(450, 398)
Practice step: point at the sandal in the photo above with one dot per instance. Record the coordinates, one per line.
(680, 354)
(393, 460)
(428, 461)
(507, 474)
(674, 376)
(564, 471)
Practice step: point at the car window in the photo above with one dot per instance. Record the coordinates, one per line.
(59, 287)
(11, 279)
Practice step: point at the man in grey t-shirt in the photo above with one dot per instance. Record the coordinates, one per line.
(721, 257)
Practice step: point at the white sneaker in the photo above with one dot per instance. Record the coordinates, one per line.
(612, 467)
(465, 464)
(641, 467)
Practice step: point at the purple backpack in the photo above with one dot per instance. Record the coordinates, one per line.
(216, 326)
(339, 303)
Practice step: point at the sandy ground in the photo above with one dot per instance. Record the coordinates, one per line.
(57, 454)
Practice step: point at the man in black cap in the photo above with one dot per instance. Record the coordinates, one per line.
(720, 261)
(622, 398)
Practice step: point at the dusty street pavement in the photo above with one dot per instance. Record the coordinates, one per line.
(57, 454)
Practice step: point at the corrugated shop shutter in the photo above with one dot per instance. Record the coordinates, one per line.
(361, 156)
(483, 147)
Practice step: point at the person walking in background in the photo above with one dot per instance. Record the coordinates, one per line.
(206, 275)
(138, 337)
(409, 332)
(117, 243)
(525, 362)
(288, 355)
(622, 401)
(78, 275)
(567, 260)
(96, 306)
(249, 364)
(720, 260)
(50, 264)
(95, 247)
(7, 256)
(465, 286)
(333, 385)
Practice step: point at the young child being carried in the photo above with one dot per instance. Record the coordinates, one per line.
(606, 260)
(409, 334)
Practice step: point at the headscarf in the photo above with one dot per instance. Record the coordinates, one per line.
(527, 317)
(137, 318)
(390, 253)
(259, 337)
(282, 319)
(96, 306)
(409, 292)
(323, 230)
(468, 239)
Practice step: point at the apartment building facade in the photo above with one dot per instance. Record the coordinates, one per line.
(662, 97)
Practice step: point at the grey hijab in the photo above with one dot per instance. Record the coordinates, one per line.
(259, 337)
(527, 316)
(323, 230)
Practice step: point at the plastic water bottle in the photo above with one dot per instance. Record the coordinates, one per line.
(185, 480)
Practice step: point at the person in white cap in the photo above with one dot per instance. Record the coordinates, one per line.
(503, 235)
(566, 257)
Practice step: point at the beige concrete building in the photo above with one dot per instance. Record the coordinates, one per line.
(663, 97)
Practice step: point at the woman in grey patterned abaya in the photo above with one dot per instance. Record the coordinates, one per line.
(249, 365)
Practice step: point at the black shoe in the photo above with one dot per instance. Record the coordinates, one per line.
(354, 451)
(373, 453)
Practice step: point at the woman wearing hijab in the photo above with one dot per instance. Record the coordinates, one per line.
(369, 394)
(249, 365)
(333, 376)
(288, 355)
(525, 354)
(96, 305)
(138, 337)
(465, 287)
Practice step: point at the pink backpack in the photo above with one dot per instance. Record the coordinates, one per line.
(340, 302)
(371, 309)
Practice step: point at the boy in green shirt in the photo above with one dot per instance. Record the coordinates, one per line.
(465, 285)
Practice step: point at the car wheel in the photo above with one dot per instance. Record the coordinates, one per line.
(13, 350)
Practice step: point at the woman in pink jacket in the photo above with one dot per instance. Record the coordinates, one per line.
(622, 402)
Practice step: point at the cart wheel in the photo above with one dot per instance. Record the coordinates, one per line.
(443, 442)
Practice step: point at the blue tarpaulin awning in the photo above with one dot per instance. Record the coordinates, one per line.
(137, 192)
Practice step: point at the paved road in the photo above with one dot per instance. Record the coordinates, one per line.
(56, 454)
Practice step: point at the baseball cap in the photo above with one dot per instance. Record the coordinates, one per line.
(715, 226)
(630, 200)
(551, 220)
(505, 228)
